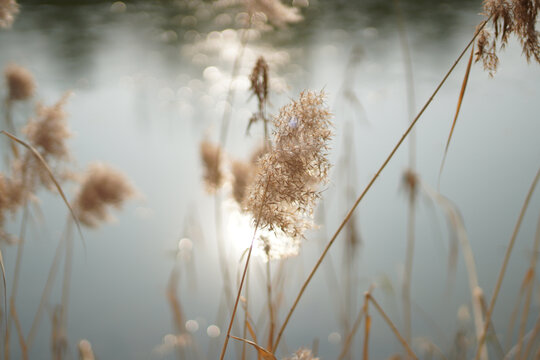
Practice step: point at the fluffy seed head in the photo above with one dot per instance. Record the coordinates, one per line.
(259, 80)
(211, 158)
(508, 17)
(242, 176)
(284, 193)
(8, 10)
(20, 82)
(102, 187)
(48, 131)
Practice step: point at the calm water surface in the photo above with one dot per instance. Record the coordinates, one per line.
(150, 81)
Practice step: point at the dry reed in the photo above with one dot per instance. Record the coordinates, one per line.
(101, 188)
(8, 10)
(509, 17)
(285, 188)
(20, 82)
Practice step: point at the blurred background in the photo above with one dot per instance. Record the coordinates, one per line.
(149, 82)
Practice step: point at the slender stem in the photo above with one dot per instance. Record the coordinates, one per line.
(68, 265)
(15, 285)
(246, 317)
(224, 349)
(370, 184)
(46, 292)
(350, 336)
(392, 326)
(407, 278)
(270, 305)
(532, 270)
(365, 352)
(505, 264)
(535, 331)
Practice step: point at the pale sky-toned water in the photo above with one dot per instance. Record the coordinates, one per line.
(149, 85)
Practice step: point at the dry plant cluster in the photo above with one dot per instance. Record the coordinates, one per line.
(278, 189)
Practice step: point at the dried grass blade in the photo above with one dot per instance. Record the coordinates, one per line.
(265, 353)
(174, 303)
(392, 327)
(5, 288)
(370, 184)
(458, 108)
(252, 333)
(22, 343)
(505, 262)
(49, 171)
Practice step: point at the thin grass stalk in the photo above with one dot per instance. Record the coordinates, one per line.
(530, 336)
(15, 285)
(350, 336)
(51, 175)
(20, 336)
(259, 348)
(68, 265)
(526, 306)
(46, 291)
(505, 264)
(367, 327)
(392, 326)
(270, 305)
(226, 119)
(530, 344)
(515, 311)
(496, 342)
(222, 256)
(372, 181)
(458, 108)
(246, 318)
(10, 125)
(409, 257)
(407, 278)
(224, 349)
(473, 284)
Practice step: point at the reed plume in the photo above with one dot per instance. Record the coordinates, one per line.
(48, 132)
(102, 187)
(284, 193)
(509, 17)
(211, 156)
(8, 10)
(242, 176)
(20, 82)
(85, 350)
(259, 87)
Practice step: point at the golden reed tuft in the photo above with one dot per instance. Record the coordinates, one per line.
(49, 131)
(509, 17)
(20, 82)
(259, 80)
(102, 187)
(8, 10)
(211, 156)
(284, 192)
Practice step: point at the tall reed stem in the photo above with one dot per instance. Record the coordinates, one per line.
(370, 184)
(392, 327)
(224, 349)
(15, 285)
(505, 264)
(532, 271)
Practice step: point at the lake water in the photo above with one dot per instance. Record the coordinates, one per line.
(149, 83)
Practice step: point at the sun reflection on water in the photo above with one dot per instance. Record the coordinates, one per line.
(239, 229)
